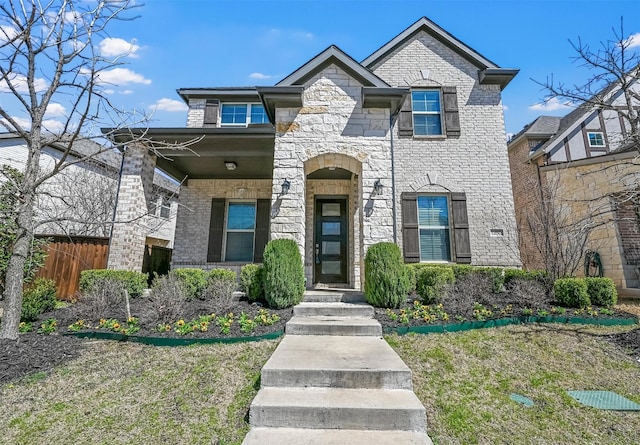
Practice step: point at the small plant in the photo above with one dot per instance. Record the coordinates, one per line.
(432, 283)
(77, 326)
(572, 292)
(163, 327)
(49, 326)
(224, 322)
(543, 313)
(392, 315)
(507, 311)
(607, 311)
(591, 311)
(39, 298)
(386, 281)
(24, 327)
(555, 310)
(247, 324)
(265, 319)
(183, 328)
(251, 282)
(527, 311)
(129, 327)
(460, 318)
(193, 280)
(481, 313)
(282, 273)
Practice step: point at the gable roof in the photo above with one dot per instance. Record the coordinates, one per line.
(489, 72)
(542, 127)
(333, 55)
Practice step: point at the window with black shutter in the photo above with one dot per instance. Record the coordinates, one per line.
(211, 112)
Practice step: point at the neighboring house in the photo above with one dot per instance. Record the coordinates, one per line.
(80, 200)
(407, 146)
(585, 166)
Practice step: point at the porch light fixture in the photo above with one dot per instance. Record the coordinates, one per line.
(377, 187)
(230, 165)
(285, 186)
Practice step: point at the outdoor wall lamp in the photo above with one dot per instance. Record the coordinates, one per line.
(285, 186)
(377, 187)
(231, 166)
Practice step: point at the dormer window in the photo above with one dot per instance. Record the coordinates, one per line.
(240, 114)
(596, 139)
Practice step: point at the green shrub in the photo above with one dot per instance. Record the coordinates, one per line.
(602, 291)
(194, 281)
(513, 274)
(221, 284)
(134, 282)
(386, 282)
(462, 270)
(39, 298)
(432, 283)
(251, 282)
(571, 292)
(282, 273)
(495, 274)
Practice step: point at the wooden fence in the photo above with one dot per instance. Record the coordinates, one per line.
(68, 256)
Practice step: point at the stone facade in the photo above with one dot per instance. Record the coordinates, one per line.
(475, 163)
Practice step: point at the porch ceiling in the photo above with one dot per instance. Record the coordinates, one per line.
(250, 148)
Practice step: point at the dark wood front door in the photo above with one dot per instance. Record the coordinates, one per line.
(331, 241)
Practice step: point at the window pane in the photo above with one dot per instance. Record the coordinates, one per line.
(596, 139)
(427, 124)
(331, 267)
(426, 101)
(434, 245)
(239, 246)
(331, 228)
(331, 247)
(242, 216)
(234, 114)
(331, 209)
(433, 211)
(258, 115)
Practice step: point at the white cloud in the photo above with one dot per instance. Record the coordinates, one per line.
(165, 104)
(19, 82)
(24, 123)
(505, 108)
(7, 33)
(121, 76)
(126, 92)
(633, 40)
(50, 125)
(552, 104)
(55, 109)
(114, 47)
(260, 76)
(109, 91)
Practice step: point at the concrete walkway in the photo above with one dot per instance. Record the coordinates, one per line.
(334, 380)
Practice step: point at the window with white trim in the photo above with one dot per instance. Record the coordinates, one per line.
(433, 227)
(165, 207)
(427, 112)
(596, 139)
(240, 231)
(242, 114)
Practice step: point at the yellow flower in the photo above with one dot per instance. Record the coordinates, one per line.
(116, 326)
(180, 323)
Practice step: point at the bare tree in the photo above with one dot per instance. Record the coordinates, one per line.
(49, 55)
(614, 68)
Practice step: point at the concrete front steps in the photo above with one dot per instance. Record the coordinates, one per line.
(334, 380)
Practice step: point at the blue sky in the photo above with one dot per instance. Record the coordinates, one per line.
(206, 43)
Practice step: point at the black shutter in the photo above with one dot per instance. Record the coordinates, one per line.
(410, 235)
(405, 118)
(451, 116)
(263, 212)
(211, 112)
(216, 230)
(461, 228)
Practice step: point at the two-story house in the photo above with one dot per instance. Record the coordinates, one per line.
(406, 146)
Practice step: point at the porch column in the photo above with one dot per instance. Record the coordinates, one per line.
(126, 249)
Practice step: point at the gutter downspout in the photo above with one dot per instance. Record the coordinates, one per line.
(393, 180)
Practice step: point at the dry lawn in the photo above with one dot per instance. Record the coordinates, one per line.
(127, 393)
(465, 380)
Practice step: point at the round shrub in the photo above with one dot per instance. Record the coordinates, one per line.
(282, 274)
(134, 282)
(251, 282)
(432, 283)
(194, 281)
(40, 297)
(602, 291)
(571, 292)
(386, 282)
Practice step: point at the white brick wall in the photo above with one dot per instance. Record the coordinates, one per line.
(475, 163)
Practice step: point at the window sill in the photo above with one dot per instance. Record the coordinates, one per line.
(437, 137)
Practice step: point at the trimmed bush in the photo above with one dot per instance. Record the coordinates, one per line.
(432, 283)
(251, 282)
(602, 291)
(386, 282)
(571, 292)
(519, 274)
(221, 284)
(495, 274)
(194, 281)
(134, 282)
(39, 298)
(282, 273)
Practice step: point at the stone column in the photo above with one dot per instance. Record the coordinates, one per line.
(126, 249)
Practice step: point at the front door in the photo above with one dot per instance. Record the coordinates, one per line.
(331, 241)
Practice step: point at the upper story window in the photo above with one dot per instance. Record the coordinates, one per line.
(433, 226)
(242, 114)
(596, 139)
(427, 114)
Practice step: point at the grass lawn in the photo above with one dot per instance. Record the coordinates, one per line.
(465, 380)
(128, 393)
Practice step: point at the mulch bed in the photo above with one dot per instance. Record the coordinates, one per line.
(34, 353)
